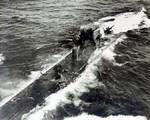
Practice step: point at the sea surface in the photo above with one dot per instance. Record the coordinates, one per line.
(36, 34)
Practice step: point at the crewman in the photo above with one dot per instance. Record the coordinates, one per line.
(108, 30)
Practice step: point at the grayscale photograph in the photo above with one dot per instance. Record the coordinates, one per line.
(75, 60)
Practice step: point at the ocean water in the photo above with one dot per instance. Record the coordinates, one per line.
(34, 35)
(112, 86)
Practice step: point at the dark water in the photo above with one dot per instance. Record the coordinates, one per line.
(30, 31)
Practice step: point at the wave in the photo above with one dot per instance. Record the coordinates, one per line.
(124, 22)
(89, 78)
(8, 94)
(85, 116)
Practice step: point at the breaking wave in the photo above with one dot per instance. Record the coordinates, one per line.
(89, 79)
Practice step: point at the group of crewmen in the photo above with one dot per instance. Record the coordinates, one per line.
(90, 33)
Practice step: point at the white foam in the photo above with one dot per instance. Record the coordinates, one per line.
(85, 116)
(9, 94)
(2, 58)
(77, 88)
(88, 78)
(121, 23)
(124, 22)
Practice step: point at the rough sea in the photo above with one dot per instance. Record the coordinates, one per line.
(115, 84)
